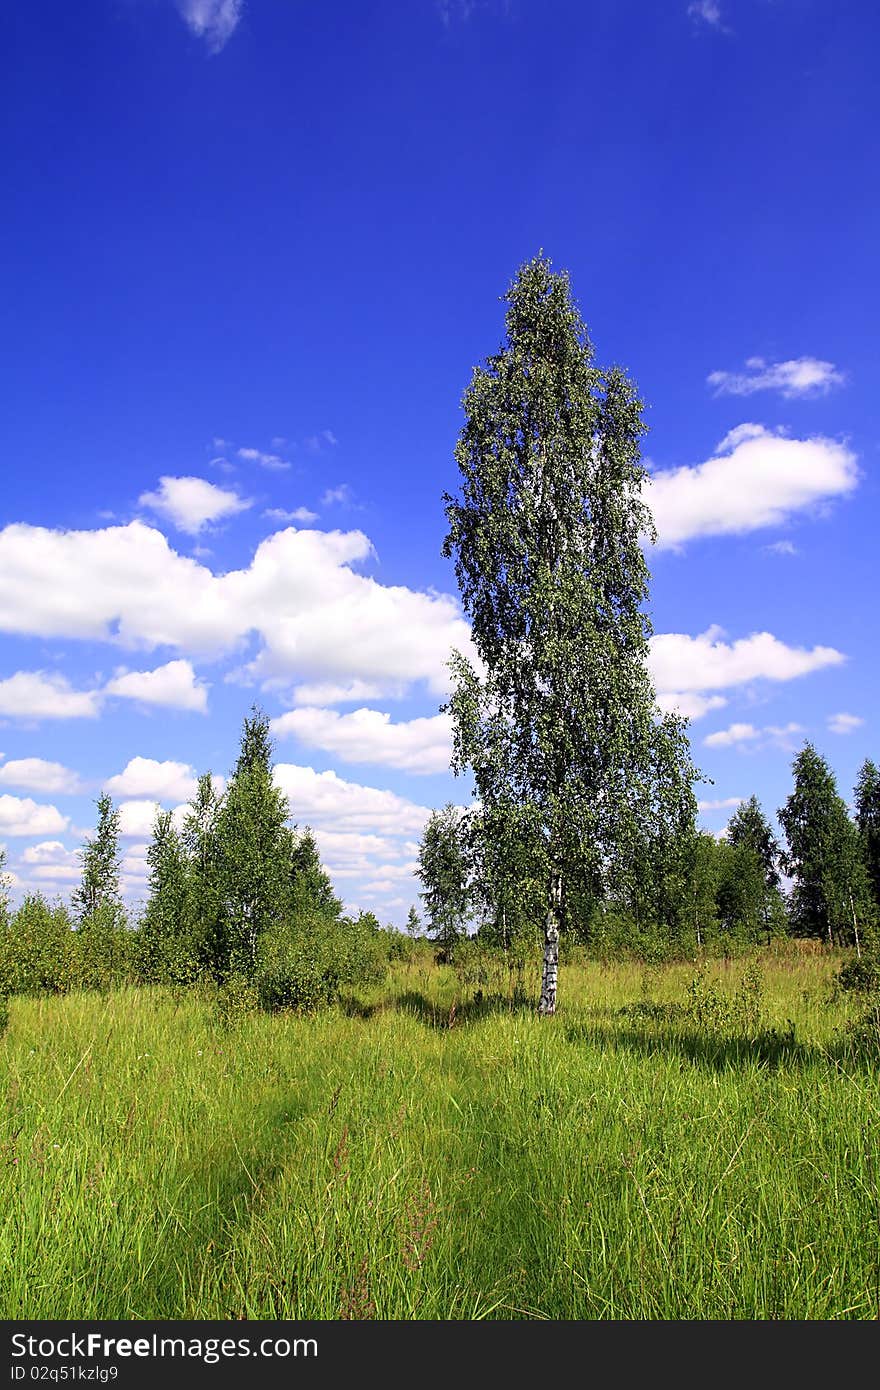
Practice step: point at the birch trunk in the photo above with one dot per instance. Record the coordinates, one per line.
(550, 967)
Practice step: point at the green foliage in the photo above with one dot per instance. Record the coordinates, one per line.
(444, 873)
(105, 950)
(253, 844)
(867, 798)
(4, 1014)
(236, 998)
(831, 892)
(303, 966)
(99, 888)
(861, 975)
(712, 1010)
(167, 945)
(37, 949)
(546, 539)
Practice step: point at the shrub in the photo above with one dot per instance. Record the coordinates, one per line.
(104, 951)
(234, 1000)
(296, 969)
(36, 949)
(861, 975)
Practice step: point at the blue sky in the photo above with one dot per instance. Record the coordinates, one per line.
(252, 253)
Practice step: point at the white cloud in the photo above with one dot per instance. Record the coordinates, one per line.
(342, 493)
(191, 504)
(326, 799)
(756, 479)
(737, 733)
(782, 548)
(683, 663)
(48, 852)
(145, 777)
(270, 461)
(53, 861)
(741, 734)
(34, 695)
(215, 21)
(800, 376)
(689, 703)
(326, 693)
(19, 815)
(726, 803)
(319, 620)
(844, 723)
(708, 11)
(370, 736)
(173, 686)
(136, 818)
(39, 775)
(134, 863)
(298, 514)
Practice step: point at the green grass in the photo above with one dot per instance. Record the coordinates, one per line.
(372, 1161)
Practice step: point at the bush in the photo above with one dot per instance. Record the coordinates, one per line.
(104, 951)
(234, 1000)
(36, 949)
(861, 975)
(296, 969)
(4, 1014)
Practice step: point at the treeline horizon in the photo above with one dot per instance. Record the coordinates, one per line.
(238, 895)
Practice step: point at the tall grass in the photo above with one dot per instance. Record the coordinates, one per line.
(415, 1153)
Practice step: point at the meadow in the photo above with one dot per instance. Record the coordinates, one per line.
(671, 1145)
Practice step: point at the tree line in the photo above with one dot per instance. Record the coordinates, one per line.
(720, 894)
(236, 897)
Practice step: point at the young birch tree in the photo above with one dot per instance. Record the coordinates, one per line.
(559, 725)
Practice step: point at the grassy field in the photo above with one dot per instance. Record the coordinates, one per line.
(419, 1155)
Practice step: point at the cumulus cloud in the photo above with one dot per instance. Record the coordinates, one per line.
(19, 815)
(271, 461)
(370, 736)
(739, 735)
(316, 617)
(215, 21)
(191, 504)
(136, 818)
(34, 695)
(800, 376)
(51, 860)
(326, 799)
(145, 777)
(684, 663)
(301, 514)
(328, 693)
(689, 703)
(39, 775)
(755, 479)
(726, 803)
(173, 686)
(844, 723)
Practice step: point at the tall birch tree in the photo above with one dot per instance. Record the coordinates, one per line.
(557, 716)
